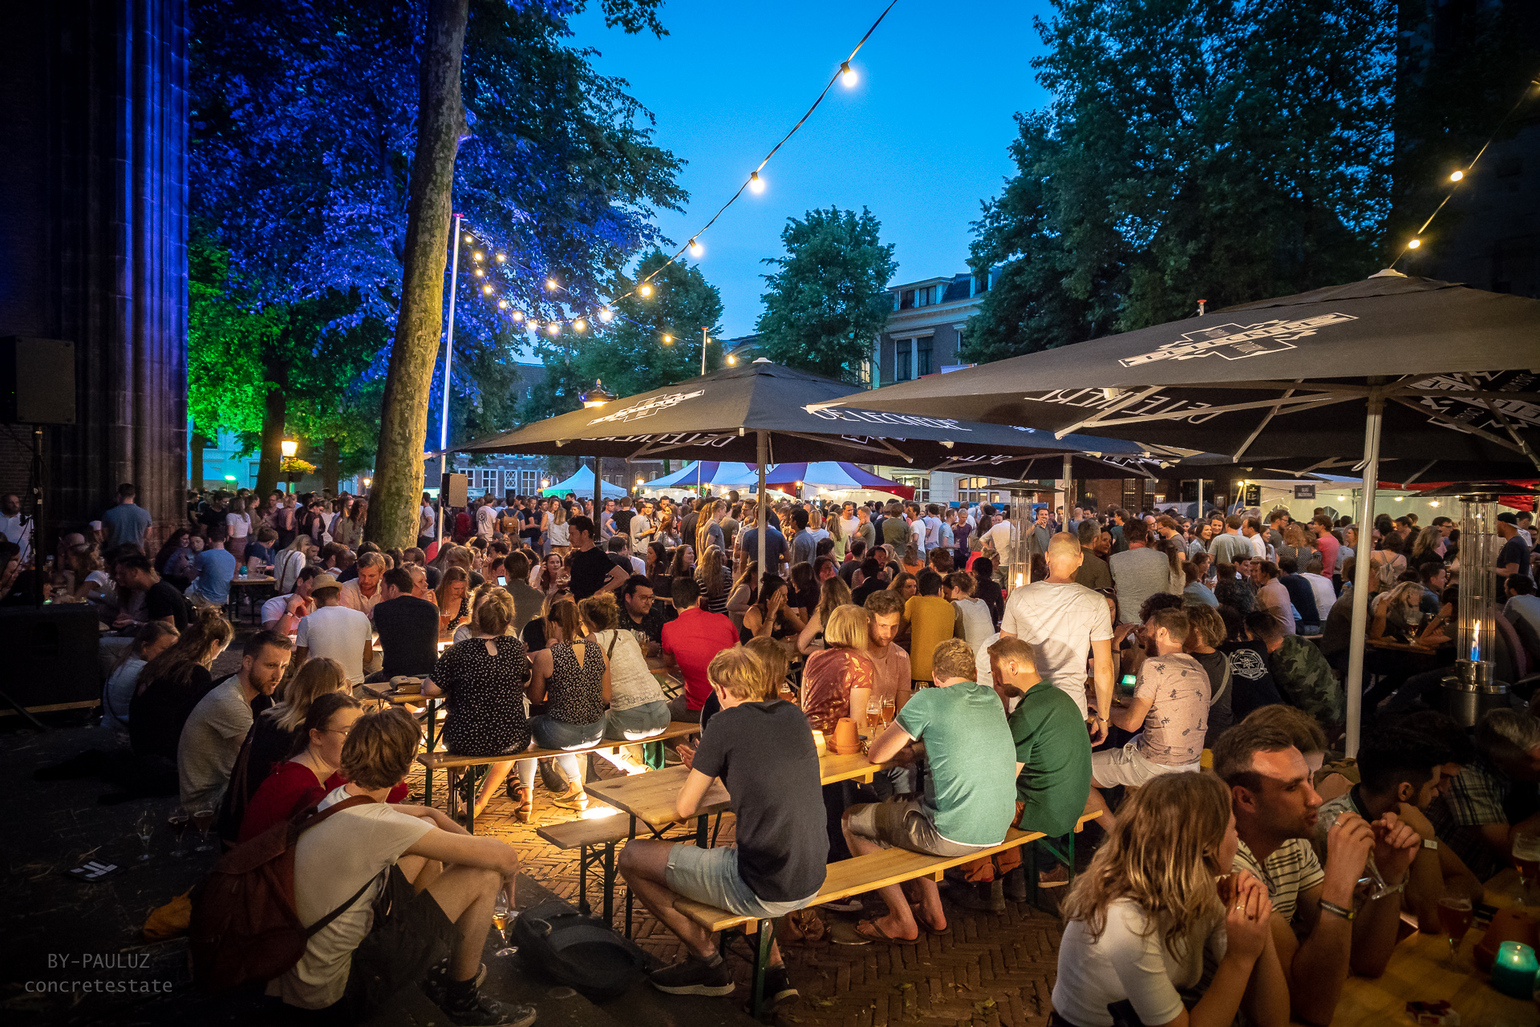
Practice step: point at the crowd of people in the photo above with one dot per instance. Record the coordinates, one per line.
(1179, 676)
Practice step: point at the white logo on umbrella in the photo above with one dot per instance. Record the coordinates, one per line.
(647, 409)
(1237, 342)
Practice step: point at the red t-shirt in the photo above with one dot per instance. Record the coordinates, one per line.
(1327, 545)
(693, 638)
(290, 789)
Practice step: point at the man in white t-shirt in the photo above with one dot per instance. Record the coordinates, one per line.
(336, 632)
(283, 613)
(427, 523)
(486, 518)
(15, 526)
(932, 526)
(366, 849)
(1066, 623)
(1321, 929)
(999, 534)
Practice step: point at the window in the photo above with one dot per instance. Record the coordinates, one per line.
(980, 284)
(922, 358)
(920, 483)
(906, 299)
(529, 482)
(901, 368)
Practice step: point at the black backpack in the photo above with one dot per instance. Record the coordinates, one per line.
(576, 950)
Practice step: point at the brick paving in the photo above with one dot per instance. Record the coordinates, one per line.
(989, 969)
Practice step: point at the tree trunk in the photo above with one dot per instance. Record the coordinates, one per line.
(274, 409)
(196, 446)
(331, 466)
(404, 414)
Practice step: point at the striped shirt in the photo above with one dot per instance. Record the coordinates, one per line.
(1292, 868)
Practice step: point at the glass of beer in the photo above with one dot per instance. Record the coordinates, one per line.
(502, 917)
(1526, 857)
(1455, 917)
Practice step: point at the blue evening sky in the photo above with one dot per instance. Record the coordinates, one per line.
(921, 139)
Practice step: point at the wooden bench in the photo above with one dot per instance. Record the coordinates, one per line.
(855, 876)
(453, 766)
(595, 841)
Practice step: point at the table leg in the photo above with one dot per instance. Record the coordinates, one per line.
(427, 777)
(700, 832)
(761, 964)
(609, 884)
(583, 906)
(630, 837)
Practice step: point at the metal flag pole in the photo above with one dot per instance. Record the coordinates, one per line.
(449, 352)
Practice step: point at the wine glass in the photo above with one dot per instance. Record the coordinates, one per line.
(503, 915)
(144, 827)
(1526, 857)
(203, 819)
(1455, 917)
(874, 722)
(889, 710)
(178, 824)
(1380, 888)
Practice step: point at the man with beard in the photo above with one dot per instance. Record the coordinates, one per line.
(212, 736)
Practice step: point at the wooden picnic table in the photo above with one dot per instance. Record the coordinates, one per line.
(242, 582)
(1420, 970)
(653, 798)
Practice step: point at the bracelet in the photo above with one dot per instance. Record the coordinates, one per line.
(1332, 907)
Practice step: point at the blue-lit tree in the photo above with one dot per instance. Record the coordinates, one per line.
(305, 134)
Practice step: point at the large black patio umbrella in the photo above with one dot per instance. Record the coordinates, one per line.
(760, 413)
(1408, 369)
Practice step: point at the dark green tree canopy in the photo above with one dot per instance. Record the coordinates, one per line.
(1225, 150)
(828, 302)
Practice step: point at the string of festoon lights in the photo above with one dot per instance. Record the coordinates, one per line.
(489, 263)
(1460, 174)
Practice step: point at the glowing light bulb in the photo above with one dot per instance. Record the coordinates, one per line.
(550, 283)
(478, 255)
(756, 184)
(502, 304)
(580, 325)
(480, 273)
(554, 328)
(696, 249)
(1455, 176)
(848, 74)
(1414, 244)
(1433, 503)
(502, 257)
(487, 289)
(534, 324)
(469, 237)
(518, 315)
(606, 315)
(667, 339)
(645, 290)
(731, 360)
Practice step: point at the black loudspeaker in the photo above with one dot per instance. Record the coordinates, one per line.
(454, 489)
(50, 655)
(37, 381)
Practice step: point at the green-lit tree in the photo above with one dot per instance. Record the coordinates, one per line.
(828, 301)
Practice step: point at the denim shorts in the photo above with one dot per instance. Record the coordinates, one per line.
(711, 876)
(637, 723)
(558, 734)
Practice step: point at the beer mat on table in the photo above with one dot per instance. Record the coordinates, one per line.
(93, 871)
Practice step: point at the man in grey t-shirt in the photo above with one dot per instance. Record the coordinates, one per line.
(212, 737)
(1139, 571)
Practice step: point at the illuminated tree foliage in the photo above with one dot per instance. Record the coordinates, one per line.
(1226, 150)
(829, 300)
(304, 122)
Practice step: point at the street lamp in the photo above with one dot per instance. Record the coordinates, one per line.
(289, 448)
(368, 482)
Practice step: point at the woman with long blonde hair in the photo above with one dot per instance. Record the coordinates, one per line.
(1157, 895)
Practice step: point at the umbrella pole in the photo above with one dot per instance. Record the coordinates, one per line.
(1068, 488)
(1199, 515)
(598, 488)
(1361, 572)
(762, 513)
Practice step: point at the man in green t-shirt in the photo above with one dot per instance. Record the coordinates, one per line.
(1053, 751)
(970, 796)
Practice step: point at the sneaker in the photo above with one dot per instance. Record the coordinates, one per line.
(436, 984)
(481, 1011)
(778, 986)
(850, 905)
(694, 976)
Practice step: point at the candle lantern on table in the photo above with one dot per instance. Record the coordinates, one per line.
(1514, 969)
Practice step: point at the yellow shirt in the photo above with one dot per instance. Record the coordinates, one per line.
(931, 622)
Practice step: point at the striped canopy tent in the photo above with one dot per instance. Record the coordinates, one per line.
(701, 472)
(834, 476)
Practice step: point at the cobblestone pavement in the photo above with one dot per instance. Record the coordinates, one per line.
(988, 969)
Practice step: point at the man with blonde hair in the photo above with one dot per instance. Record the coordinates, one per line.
(778, 863)
(969, 800)
(364, 592)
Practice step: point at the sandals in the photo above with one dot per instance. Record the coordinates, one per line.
(918, 912)
(864, 933)
(525, 797)
(573, 798)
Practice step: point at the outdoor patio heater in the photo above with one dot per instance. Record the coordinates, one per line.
(1017, 561)
(1473, 688)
